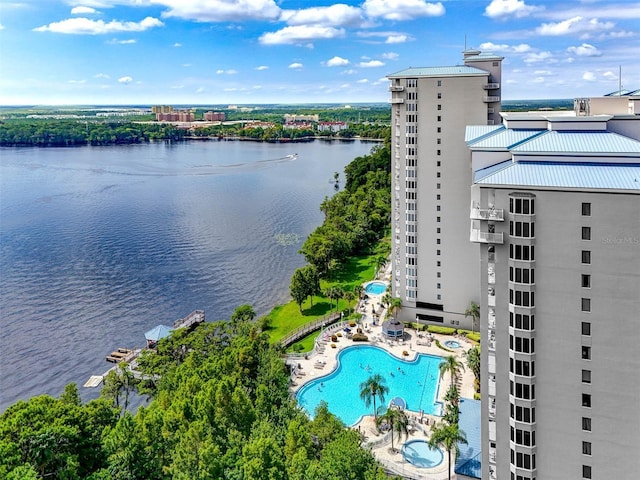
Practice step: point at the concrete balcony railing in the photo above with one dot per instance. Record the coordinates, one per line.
(491, 86)
(478, 236)
(398, 88)
(491, 99)
(495, 214)
(395, 101)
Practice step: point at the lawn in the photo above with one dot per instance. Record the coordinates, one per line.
(357, 270)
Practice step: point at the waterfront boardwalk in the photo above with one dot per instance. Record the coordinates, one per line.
(129, 355)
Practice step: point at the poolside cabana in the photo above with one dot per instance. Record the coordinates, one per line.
(156, 333)
(393, 328)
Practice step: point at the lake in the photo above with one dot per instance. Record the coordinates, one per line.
(100, 244)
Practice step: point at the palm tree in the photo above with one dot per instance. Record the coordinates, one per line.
(473, 361)
(473, 311)
(386, 299)
(453, 366)
(359, 291)
(374, 386)
(397, 421)
(349, 297)
(381, 262)
(447, 437)
(395, 306)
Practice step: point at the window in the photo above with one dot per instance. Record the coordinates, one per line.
(586, 233)
(438, 274)
(437, 219)
(437, 208)
(586, 376)
(438, 286)
(586, 305)
(437, 241)
(438, 263)
(586, 400)
(586, 424)
(586, 353)
(438, 230)
(439, 83)
(439, 95)
(586, 448)
(586, 209)
(586, 257)
(439, 118)
(438, 141)
(523, 206)
(586, 281)
(439, 152)
(438, 297)
(438, 195)
(586, 328)
(439, 129)
(586, 471)
(439, 107)
(437, 252)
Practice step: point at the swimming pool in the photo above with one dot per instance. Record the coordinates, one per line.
(376, 288)
(452, 344)
(416, 382)
(418, 453)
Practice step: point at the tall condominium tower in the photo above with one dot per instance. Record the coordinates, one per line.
(435, 268)
(555, 213)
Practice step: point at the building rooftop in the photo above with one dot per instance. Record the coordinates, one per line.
(483, 56)
(474, 132)
(457, 70)
(504, 139)
(563, 174)
(589, 142)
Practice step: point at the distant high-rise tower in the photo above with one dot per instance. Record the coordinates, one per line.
(435, 268)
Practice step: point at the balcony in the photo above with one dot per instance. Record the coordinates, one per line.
(491, 86)
(495, 214)
(397, 100)
(485, 237)
(398, 88)
(489, 99)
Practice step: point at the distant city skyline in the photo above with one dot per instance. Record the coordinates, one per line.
(215, 52)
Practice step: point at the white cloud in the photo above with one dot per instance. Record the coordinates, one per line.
(397, 39)
(125, 80)
(115, 41)
(1, 26)
(573, 25)
(299, 34)
(296, 66)
(186, 65)
(77, 82)
(402, 9)
(363, 80)
(589, 76)
(371, 64)
(226, 72)
(221, 10)
(350, 71)
(262, 67)
(390, 56)
(508, 8)
(538, 57)
(521, 48)
(177, 87)
(337, 15)
(585, 50)
(542, 72)
(101, 75)
(337, 62)
(610, 75)
(85, 26)
(177, 45)
(538, 80)
(82, 10)
(200, 90)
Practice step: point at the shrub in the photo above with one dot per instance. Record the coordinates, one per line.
(359, 337)
(475, 336)
(441, 330)
(439, 345)
(297, 347)
(476, 396)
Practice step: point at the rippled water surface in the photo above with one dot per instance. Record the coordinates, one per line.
(100, 244)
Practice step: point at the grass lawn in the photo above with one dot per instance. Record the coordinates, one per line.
(357, 270)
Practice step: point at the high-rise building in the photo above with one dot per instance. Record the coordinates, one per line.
(435, 268)
(556, 213)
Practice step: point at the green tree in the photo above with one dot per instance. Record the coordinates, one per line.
(298, 288)
(452, 366)
(374, 386)
(473, 361)
(447, 437)
(396, 421)
(118, 385)
(473, 311)
(311, 281)
(243, 313)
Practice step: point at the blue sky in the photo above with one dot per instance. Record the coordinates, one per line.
(102, 52)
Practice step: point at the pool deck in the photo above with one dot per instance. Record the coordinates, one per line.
(320, 363)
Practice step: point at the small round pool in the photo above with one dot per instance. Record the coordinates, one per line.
(376, 288)
(418, 454)
(452, 344)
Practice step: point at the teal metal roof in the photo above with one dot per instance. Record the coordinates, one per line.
(608, 143)
(461, 70)
(505, 139)
(469, 462)
(475, 132)
(484, 56)
(608, 176)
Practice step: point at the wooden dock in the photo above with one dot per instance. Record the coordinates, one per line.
(129, 355)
